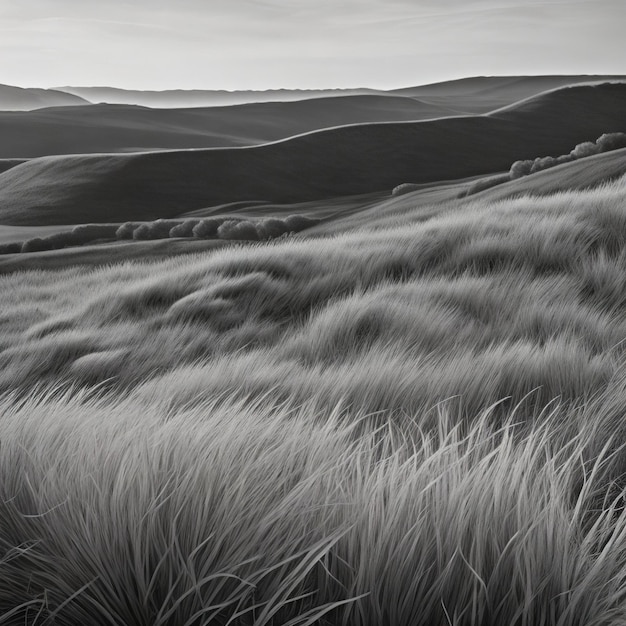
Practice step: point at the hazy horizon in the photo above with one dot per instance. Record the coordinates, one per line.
(270, 44)
(322, 88)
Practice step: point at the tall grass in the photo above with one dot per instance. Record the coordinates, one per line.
(118, 511)
(417, 424)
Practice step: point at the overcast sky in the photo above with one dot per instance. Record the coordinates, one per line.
(261, 44)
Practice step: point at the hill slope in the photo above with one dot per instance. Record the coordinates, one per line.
(481, 94)
(342, 161)
(581, 174)
(19, 99)
(115, 128)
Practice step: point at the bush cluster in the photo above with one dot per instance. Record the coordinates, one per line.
(232, 228)
(10, 248)
(604, 143)
(78, 236)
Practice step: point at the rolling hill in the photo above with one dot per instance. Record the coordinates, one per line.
(183, 98)
(20, 99)
(118, 128)
(481, 94)
(348, 160)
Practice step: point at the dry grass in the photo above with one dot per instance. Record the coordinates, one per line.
(417, 424)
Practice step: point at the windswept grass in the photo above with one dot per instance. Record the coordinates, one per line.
(413, 424)
(122, 512)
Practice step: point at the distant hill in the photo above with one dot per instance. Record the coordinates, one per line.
(343, 161)
(119, 128)
(19, 99)
(481, 94)
(182, 98)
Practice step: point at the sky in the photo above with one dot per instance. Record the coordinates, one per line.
(267, 44)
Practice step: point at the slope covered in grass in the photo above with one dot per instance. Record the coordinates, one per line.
(481, 94)
(119, 128)
(348, 160)
(415, 423)
(581, 174)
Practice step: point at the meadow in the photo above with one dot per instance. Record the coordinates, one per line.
(415, 420)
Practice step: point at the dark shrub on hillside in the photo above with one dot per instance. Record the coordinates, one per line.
(271, 228)
(611, 141)
(184, 229)
(206, 229)
(142, 232)
(585, 149)
(36, 244)
(564, 158)
(604, 143)
(520, 168)
(542, 163)
(126, 230)
(240, 230)
(296, 223)
(159, 229)
(10, 248)
(60, 240)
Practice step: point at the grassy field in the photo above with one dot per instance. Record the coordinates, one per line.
(416, 421)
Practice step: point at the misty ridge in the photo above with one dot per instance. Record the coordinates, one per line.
(347, 358)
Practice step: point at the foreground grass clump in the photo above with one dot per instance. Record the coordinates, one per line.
(418, 422)
(272, 515)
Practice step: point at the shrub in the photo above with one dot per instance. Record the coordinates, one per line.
(59, 240)
(142, 232)
(542, 163)
(184, 229)
(585, 149)
(520, 168)
(564, 158)
(159, 229)
(206, 229)
(126, 230)
(271, 228)
(611, 141)
(37, 244)
(241, 230)
(10, 248)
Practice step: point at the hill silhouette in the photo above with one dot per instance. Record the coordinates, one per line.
(481, 94)
(182, 98)
(117, 128)
(20, 99)
(348, 160)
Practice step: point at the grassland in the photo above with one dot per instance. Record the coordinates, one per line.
(416, 421)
